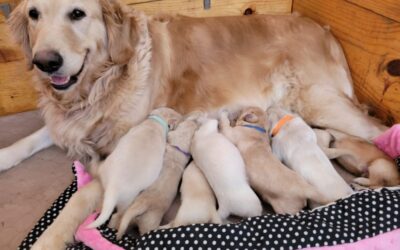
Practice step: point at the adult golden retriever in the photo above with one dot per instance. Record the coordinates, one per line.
(101, 67)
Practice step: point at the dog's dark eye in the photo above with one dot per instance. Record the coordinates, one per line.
(77, 15)
(34, 14)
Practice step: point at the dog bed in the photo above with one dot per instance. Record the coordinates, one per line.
(366, 220)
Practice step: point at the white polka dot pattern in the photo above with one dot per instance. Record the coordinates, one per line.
(363, 215)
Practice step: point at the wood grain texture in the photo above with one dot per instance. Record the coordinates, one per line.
(12, 3)
(16, 92)
(370, 42)
(387, 8)
(218, 7)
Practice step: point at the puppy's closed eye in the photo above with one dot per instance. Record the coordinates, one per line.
(252, 118)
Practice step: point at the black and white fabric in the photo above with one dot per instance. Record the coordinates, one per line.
(360, 216)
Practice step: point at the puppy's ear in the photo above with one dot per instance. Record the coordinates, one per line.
(252, 118)
(121, 31)
(18, 23)
(173, 124)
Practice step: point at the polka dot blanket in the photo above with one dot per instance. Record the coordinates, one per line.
(366, 220)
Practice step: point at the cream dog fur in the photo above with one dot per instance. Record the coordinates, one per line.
(284, 189)
(122, 64)
(223, 166)
(150, 206)
(142, 149)
(296, 145)
(360, 158)
(198, 204)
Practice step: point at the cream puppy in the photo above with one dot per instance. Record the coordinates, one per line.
(198, 204)
(295, 143)
(137, 166)
(284, 189)
(223, 166)
(359, 157)
(150, 206)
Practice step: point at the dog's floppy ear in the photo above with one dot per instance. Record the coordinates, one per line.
(251, 118)
(18, 23)
(120, 27)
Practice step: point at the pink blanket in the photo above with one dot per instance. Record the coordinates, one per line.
(389, 142)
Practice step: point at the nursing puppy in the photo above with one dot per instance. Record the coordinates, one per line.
(150, 206)
(285, 190)
(295, 143)
(360, 158)
(198, 204)
(124, 175)
(223, 166)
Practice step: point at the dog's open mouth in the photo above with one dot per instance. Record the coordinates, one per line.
(60, 82)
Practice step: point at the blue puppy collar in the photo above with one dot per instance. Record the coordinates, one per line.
(161, 121)
(259, 129)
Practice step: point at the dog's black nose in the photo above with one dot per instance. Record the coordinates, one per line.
(48, 61)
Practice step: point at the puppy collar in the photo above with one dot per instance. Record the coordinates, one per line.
(188, 155)
(280, 124)
(161, 121)
(259, 129)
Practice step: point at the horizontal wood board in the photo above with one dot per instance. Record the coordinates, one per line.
(370, 41)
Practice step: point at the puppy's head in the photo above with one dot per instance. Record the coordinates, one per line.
(169, 115)
(64, 40)
(273, 115)
(183, 134)
(252, 115)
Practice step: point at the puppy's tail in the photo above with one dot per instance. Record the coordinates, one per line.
(131, 213)
(215, 218)
(109, 202)
(316, 198)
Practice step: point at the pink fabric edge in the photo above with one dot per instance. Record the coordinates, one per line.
(90, 237)
(389, 141)
(386, 241)
(82, 176)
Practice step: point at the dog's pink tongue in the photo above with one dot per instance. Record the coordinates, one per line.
(59, 80)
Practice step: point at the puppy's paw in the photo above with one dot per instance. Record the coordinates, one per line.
(357, 187)
(223, 113)
(166, 226)
(193, 116)
(362, 181)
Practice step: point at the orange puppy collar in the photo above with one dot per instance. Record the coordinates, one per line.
(281, 122)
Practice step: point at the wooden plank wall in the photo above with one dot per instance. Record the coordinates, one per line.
(217, 7)
(16, 92)
(369, 32)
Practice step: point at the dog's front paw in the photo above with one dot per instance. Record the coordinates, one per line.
(55, 242)
(7, 159)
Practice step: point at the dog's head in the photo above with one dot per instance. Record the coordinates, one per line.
(65, 40)
(252, 115)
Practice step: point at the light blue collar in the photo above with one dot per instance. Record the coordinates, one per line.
(259, 129)
(161, 121)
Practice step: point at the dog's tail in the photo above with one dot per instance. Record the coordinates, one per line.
(137, 209)
(109, 202)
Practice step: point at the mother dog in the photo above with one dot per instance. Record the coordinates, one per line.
(101, 67)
